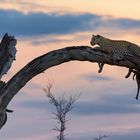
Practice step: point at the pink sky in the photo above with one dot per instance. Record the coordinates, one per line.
(107, 104)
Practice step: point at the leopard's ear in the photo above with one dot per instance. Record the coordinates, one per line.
(93, 35)
(98, 36)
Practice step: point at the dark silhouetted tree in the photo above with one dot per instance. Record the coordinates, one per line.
(100, 137)
(63, 106)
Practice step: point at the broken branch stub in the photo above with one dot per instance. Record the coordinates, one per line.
(7, 53)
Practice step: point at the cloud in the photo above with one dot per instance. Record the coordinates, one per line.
(132, 135)
(125, 23)
(33, 24)
(106, 103)
(109, 104)
(95, 77)
(34, 104)
(46, 40)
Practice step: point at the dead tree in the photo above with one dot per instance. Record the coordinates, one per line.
(63, 106)
(100, 137)
(38, 65)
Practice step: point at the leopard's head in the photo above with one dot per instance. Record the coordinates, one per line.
(95, 39)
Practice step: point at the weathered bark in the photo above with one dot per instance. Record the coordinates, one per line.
(54, 58)
(7, 55)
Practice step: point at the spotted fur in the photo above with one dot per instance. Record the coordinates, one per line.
(118, 49)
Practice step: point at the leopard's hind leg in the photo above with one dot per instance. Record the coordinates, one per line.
(129, 72)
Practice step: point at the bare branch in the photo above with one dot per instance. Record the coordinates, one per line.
(63, 105)
(100, 137)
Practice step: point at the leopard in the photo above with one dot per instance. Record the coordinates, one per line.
(118, 49)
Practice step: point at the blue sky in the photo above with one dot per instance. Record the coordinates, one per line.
(107, 103)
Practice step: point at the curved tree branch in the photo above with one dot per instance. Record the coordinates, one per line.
(54, 58)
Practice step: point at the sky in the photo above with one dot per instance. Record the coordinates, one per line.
(107, 103)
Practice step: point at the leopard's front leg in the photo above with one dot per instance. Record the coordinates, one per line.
(101, 65)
